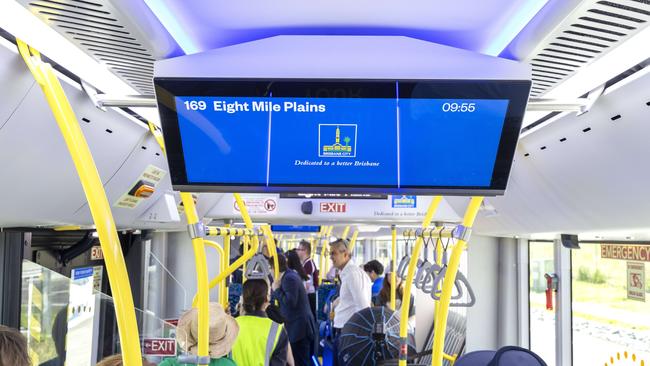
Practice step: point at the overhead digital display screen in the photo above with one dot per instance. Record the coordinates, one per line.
(393, 137)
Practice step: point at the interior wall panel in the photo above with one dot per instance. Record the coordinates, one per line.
(580, 173)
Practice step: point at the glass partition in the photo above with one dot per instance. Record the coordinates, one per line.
(68, 322)
(610, 305)
(542, 321)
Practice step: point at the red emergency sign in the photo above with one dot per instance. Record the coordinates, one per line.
(159, 346)
(332, 207)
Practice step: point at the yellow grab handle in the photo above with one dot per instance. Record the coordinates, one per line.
(406, 296)
(222, 266)
(448, 284)
(270, 242)
(100, 209)
(247, 254)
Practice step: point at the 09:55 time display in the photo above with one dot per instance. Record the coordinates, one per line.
(458, 107)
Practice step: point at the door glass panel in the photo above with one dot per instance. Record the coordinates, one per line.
(66, 321)
(611, 305)
(542, 321)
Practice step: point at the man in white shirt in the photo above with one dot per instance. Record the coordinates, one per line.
(355, 291)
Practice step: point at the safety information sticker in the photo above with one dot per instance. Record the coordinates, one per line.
(636, 281)
(258, 205)
(144, 187)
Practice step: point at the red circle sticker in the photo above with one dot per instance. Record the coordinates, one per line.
(270, 205)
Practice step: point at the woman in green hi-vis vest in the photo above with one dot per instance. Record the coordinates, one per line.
(261, 341)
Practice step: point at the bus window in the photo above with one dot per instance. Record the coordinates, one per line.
(542, 321)
(610, 305)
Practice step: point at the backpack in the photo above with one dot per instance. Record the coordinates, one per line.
(505, 356)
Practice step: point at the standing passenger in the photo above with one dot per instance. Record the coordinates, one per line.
(261, 341)
(289, 289)
(223, 332)
(304, 252)
(355, 285)
(375, 269)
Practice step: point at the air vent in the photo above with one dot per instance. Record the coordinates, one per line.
(96, 27)
(589, 32)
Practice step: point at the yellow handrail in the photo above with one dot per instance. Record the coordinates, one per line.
(270, 242)
(448, 284)
(247, 254)
(406, 296)
(226, 254)
(245, 246)
(227, 231)
(353, 240)
(393, 277)
(345, 232)
(222, 267)
(202, 293)
(326, 245)
(100, 209)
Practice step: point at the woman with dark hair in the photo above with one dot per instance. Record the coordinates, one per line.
(293, 262)
(383, 299)
(261, 341)
(290, 291)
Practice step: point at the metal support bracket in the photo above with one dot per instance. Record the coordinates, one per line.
(92, 93)
(196, 230)
(462, 232)
(591, 99)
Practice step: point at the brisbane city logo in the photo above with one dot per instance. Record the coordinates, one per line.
(337, 140)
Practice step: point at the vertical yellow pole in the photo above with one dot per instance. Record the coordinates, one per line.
(345, 232)
(393, 277)
(326, 245)
(448, 284)
(97, 202)
(270, 242)
(406, 297)
(226, 254)
(201, 277)
(245, 243)
(353, 240)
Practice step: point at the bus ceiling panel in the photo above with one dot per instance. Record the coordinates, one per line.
(199, 25)
(116, 31)
(272, 208)
(140, 181)
(15, 83)
(44, 188)
(581, 173)
(587, 31)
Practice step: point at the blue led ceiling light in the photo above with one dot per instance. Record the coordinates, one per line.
(513, 26)
(173, 26)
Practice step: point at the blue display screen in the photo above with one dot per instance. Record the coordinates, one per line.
(378, 142)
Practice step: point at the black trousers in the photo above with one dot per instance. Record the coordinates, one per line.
(312, 304)
(302, 351)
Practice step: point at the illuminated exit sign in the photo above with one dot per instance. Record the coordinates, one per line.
(332, 207)
(159, 346)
